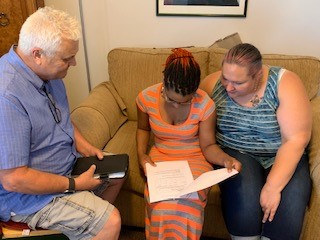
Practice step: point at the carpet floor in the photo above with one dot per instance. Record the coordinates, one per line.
(132, 233)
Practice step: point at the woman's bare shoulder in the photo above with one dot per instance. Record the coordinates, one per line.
(208, 83)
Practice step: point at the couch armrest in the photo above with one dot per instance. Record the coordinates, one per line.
(100, 115)
(312, 220)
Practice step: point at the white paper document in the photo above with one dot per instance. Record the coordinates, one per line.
(171, 180)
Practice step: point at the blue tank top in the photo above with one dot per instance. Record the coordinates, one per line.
(255, 130)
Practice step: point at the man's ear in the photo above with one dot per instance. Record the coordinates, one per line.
(37, 55)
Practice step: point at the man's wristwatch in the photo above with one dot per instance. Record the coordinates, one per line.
(72, 186)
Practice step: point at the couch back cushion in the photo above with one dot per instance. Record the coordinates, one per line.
(133, 69)
(306, 67)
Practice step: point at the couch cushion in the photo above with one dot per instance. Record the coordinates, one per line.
(133, 69)
(124, 141)
(307, 68)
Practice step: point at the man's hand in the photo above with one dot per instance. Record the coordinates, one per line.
(91, 151)
(86, 180)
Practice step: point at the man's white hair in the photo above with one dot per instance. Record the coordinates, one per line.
(45, 29)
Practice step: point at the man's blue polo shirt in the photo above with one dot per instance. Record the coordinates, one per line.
(29, 134)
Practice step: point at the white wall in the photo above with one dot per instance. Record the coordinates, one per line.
(76, 81)
(286, 26)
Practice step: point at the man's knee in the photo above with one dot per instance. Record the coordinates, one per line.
(114, 221)
(111, 229)
(115, 218)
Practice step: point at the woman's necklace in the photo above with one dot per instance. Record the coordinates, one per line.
(255, 100)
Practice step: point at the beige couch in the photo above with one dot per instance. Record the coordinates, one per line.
(107, 118)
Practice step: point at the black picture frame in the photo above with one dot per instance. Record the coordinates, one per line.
(206, 8)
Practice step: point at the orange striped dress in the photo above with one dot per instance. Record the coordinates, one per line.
(180, 218)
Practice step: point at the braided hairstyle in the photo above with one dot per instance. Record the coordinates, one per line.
(245, 55)
(181, 72)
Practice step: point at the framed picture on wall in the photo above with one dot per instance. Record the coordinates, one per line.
(209, 8)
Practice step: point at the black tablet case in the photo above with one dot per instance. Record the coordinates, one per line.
(112, 166)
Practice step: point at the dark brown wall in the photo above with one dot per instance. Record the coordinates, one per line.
(12, 15)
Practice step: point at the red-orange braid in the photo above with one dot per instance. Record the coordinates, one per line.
(182, 72)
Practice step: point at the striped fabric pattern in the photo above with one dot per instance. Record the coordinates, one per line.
(252, 130)
(181, 218)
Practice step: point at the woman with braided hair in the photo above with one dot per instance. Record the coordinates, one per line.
(182, 119)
